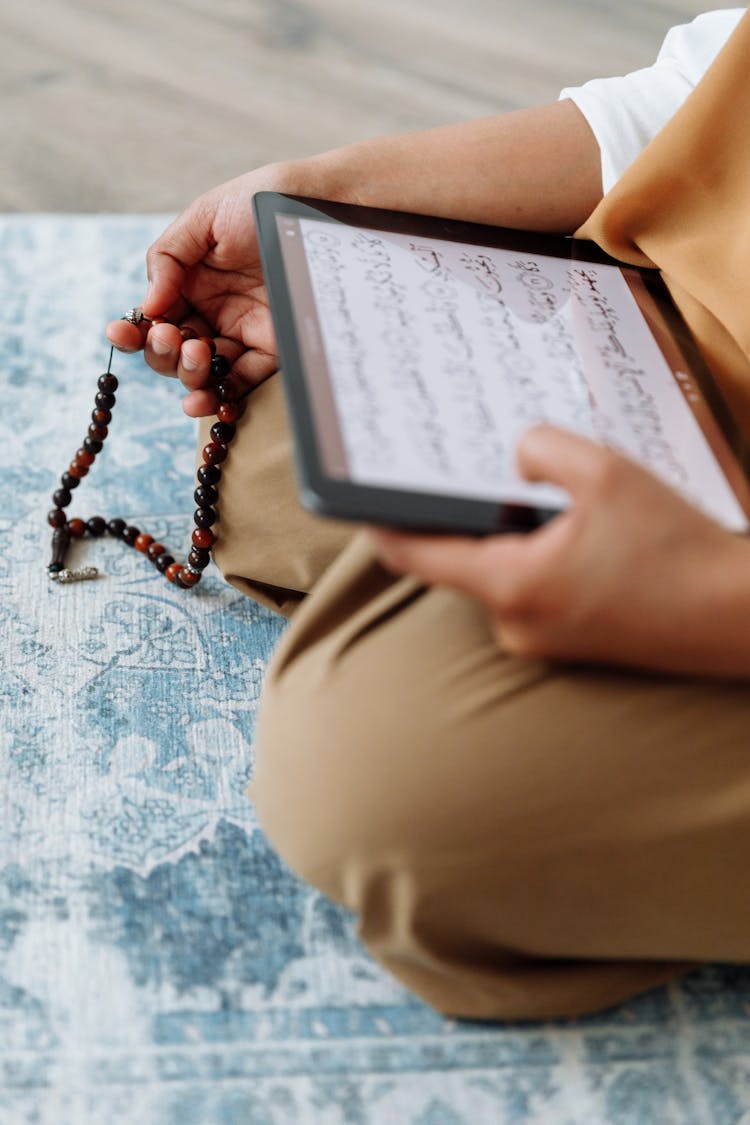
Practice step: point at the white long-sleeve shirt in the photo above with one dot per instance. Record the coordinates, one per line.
(626, 113)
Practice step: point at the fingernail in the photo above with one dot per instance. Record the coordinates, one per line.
(161, 347)
(189, 363)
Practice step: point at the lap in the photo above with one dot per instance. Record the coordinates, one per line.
(497, 823)
(622, 799)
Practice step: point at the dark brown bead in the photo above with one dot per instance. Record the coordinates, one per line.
(62, 497)
(219, 367)
(56, 518)
(60, 544)
(143, 542)
(189, 577)
(199, 558)
(204, 496)
(107, 383)
(214, 453)
(203, 537)
(130, 534)
(101, 417)
(223, 432)
(205, 517)
(154, 550)
(187, 332)
(83, 457)
(67, 480)
(172, 571)
(96, 526)
(164, 561)
(98, 433)
(207, 340)
(226, 391)
(116, 528)
(92, 446)
(105, 401)
(76, 469)
(77, 528)
(228, 411)
(209, 474)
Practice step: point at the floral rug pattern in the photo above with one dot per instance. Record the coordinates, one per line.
(158, 963)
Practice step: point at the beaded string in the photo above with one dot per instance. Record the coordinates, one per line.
(206, 493)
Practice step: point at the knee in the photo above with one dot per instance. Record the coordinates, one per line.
(322, 788)
(376, 800)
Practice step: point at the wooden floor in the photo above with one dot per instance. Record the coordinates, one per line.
(140, 105)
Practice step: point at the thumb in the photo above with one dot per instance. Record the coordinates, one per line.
(555, 456)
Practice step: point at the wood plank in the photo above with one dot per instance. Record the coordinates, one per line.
(140, 107)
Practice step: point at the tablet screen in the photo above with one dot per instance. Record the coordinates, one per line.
(427, 357)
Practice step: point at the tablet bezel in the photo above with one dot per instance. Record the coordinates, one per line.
(350, 500)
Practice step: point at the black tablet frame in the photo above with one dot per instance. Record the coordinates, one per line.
(348, 500)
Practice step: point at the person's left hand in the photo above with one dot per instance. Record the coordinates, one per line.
(630, 573)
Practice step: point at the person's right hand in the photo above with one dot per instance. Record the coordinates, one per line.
(204, 274)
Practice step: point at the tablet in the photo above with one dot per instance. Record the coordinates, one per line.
(415, 351)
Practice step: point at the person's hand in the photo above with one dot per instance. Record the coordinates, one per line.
(629, 574)
(205, 275)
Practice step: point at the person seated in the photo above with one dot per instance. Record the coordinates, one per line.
(524, 762)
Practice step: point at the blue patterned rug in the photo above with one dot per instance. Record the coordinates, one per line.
(158, 964)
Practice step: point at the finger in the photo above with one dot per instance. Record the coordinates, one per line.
(194, 364)
(248, 369)
(483, 568)
(162, 349)
(431, 557)
(556, 456)
(182, 245)
(126, 337)
(200, 404)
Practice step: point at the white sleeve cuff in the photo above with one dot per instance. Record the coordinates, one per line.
(626, 113)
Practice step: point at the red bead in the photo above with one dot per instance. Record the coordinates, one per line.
(97, 433)
(203, 537)
(76, 469)
(143, 542)
(77, 528)
(173, 570)
(83, 457)
(189, 577)
(187, 332)
(214, 453)
(212, 346)
(228, 412)
(101, 417)
(154, 550)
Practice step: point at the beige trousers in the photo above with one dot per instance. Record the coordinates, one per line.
(517, 839)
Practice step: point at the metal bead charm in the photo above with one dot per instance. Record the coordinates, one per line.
(82, 574)
(136, 316)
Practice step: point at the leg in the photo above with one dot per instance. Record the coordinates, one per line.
(518, 840)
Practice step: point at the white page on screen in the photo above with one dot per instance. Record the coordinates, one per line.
(440, 354)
